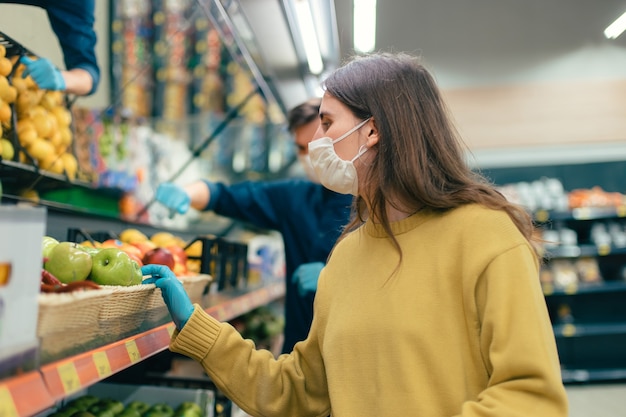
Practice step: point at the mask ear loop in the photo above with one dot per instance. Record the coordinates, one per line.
(362, 149)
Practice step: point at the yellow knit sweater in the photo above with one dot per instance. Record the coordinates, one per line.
(460, 329)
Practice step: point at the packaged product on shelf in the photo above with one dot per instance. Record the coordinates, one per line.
(21, 233)
(131, 59)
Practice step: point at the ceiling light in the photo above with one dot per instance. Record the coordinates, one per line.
(309, 36)
(616, 28)
(364, 25)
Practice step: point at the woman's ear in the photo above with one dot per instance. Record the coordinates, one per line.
(372, 133)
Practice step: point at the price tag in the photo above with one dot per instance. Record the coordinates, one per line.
(103, 367)
(548, 289)
(604, 250)
(571, 288)
(542, 216)
(7, 406)
(621, 211)
(133, 351)
(170, 329)
(583, 213)
(69, 377)
(569, 330)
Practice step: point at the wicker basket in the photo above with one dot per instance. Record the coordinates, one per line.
(71, 322)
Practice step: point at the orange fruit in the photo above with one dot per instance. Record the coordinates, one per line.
(5, 66)
(5, 112)
(43, 125)
(70, 164)
(40, 149)
(52, 163)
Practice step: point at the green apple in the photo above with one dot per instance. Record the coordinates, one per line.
(68, 262)
(90, 249)
(113, 266)
(47, 244)
(188, 409)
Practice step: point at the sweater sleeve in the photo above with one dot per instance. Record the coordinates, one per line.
(73, 24)
(293, 384)
(518, 345)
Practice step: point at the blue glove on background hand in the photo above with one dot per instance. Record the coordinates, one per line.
(173, 197)
(172, 290)
(44, 73)
(306, 277)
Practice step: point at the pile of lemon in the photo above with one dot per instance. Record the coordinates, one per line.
(43, 124)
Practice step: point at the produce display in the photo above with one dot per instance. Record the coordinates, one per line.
(69, 266)
(39, 132)
(93, 406)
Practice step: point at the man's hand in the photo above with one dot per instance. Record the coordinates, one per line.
(44, 73)
(172, 290)
(173, 197)
(305, 276)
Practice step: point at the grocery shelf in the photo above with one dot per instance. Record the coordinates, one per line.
(584, 250)
(549, 289)
(570, 376)
(581, 213)
(36, 391)
(588, 329)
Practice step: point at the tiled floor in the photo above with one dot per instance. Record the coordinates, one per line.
(597, 400)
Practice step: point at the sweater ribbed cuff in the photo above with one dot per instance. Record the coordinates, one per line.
(197, 337)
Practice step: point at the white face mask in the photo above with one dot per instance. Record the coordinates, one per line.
(333, 172)
(305, 161)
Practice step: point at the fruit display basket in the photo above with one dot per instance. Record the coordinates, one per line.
(69, 323)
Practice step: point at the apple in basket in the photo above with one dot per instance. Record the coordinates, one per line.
(69, 262)
(113, 266)
(160, 256)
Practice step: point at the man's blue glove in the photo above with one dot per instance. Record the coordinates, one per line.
(173, 197)
(172, 290)
(306, 277)
(44, 73)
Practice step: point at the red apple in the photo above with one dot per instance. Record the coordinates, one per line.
(159, 256)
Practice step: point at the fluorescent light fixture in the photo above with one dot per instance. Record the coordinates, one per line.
(616, 28)
(309, 36)
(364, 25)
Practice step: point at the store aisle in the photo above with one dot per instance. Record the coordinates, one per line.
(597, 400)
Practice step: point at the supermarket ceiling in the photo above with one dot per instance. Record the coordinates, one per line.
(478, 39)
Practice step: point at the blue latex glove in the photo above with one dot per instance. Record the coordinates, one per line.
(173, 197)
(306, 277)
(44, 73)
(172, 290)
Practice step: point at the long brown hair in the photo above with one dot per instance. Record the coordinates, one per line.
(420, 162)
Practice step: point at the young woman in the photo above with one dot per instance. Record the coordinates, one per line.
(430, 303)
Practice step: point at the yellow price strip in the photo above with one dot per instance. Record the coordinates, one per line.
(170, 329)
(7, 406)
(103, 367)
(569, 330)
(133, 351)
(69, 377)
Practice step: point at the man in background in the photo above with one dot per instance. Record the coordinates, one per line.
(309, 216)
